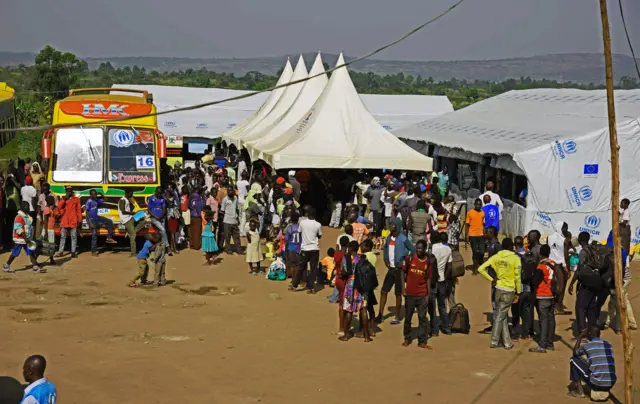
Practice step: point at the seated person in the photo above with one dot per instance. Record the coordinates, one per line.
(328, 266)
(592, 364)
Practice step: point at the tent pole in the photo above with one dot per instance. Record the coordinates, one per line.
(615, 214)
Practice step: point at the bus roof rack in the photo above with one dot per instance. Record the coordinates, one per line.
(147, 96)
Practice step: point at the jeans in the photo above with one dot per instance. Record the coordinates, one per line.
(336, 215)
(377, 222)
(95, 223)
(521, 311)
(411, 304)
(579, 371)
(613, 319)
(438, 298)
(307, 257)
(163, 232)
(63, 239)
(451, 299)
(232, 230)
(503, 301)
(132, 230)
(588, 307)
(546, 312)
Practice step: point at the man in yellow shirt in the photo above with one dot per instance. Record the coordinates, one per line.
(506, 266)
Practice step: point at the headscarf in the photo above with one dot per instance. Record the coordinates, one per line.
(252, 195)
(625, 254)
(376, 181)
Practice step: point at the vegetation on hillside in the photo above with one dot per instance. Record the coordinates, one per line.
(49, 79)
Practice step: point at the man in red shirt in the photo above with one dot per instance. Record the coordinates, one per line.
(545, 300)
(70, 219)
(417, 275)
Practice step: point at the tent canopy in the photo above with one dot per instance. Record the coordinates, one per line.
(339, 132)
(277, 136)
(521, 119)
(395, 111)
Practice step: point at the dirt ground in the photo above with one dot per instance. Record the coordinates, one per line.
(221, 335)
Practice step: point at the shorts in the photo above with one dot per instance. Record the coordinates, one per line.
(186, 217)
(18, 247)
(390, 279)
(477, 247)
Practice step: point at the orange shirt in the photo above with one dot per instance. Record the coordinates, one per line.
(359, 231)
(544, 287)
(475, 221)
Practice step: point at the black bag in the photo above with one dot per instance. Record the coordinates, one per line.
(457, 266)
(529, 266)
(596, 272)
(459, 318)
(365, 276)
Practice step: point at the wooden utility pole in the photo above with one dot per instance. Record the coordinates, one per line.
(615, 214)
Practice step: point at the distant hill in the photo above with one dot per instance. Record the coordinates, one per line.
(578, 67)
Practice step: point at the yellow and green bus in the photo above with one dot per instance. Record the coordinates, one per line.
(7, 113)
(109, 157)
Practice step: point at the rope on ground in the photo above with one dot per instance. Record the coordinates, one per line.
(239, 97)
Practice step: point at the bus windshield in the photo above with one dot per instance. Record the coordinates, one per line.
(78, 155)
(131, 156)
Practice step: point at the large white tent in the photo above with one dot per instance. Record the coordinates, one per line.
(276, 138)
(391, 111)
(257, 117)
(558, 138)
(281, 107)
(339, 132)
(209, 122)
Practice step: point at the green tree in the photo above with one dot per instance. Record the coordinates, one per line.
(55, 72)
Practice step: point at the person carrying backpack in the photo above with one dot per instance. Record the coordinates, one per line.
(545, 300)
(591, 290)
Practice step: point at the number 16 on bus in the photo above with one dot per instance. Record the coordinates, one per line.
(145, 162)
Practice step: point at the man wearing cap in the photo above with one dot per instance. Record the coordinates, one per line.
(294, 184)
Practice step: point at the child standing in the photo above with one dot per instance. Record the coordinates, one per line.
(253, 247)
(367, 250)
(22, 239)
(49, 222)
(293, 242)
(209, 244)
(158, 258)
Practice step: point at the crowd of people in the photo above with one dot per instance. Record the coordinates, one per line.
(413, 219)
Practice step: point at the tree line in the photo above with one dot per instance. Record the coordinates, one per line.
(53, 73)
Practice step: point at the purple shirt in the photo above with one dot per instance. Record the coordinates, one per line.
(292, 238)
(195, 205)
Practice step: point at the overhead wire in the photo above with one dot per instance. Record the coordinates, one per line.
(626, 32)
(242, 96)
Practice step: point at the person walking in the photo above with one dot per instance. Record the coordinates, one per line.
(70, 219)
(507, 267)
(310, 234)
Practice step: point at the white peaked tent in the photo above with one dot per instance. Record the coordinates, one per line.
(257, 117)
(339, 132)
(282, 106)
(264, 110)
(280, 135)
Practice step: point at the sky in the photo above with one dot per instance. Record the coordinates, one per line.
(477, 29)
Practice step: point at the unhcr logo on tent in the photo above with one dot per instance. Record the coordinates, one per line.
(562, 149)
(591, 224)
(577, 196)
(636, 239)
(544, 220)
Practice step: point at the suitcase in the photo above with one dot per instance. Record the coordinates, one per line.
(459, 318)
(457, 266)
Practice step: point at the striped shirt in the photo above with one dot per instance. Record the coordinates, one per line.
(601, 363)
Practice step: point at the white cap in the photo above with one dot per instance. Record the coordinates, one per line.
(292, 173)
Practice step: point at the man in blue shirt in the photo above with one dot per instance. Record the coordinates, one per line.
(39, 390)
(491, 214)
(157, 207)
(95, 221)
(599, 368)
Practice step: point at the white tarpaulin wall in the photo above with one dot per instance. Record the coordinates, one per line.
(570, 181)
(394, 111)
(339, 132)
(209, 122)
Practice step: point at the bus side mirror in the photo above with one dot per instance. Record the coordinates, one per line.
(46, 144)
